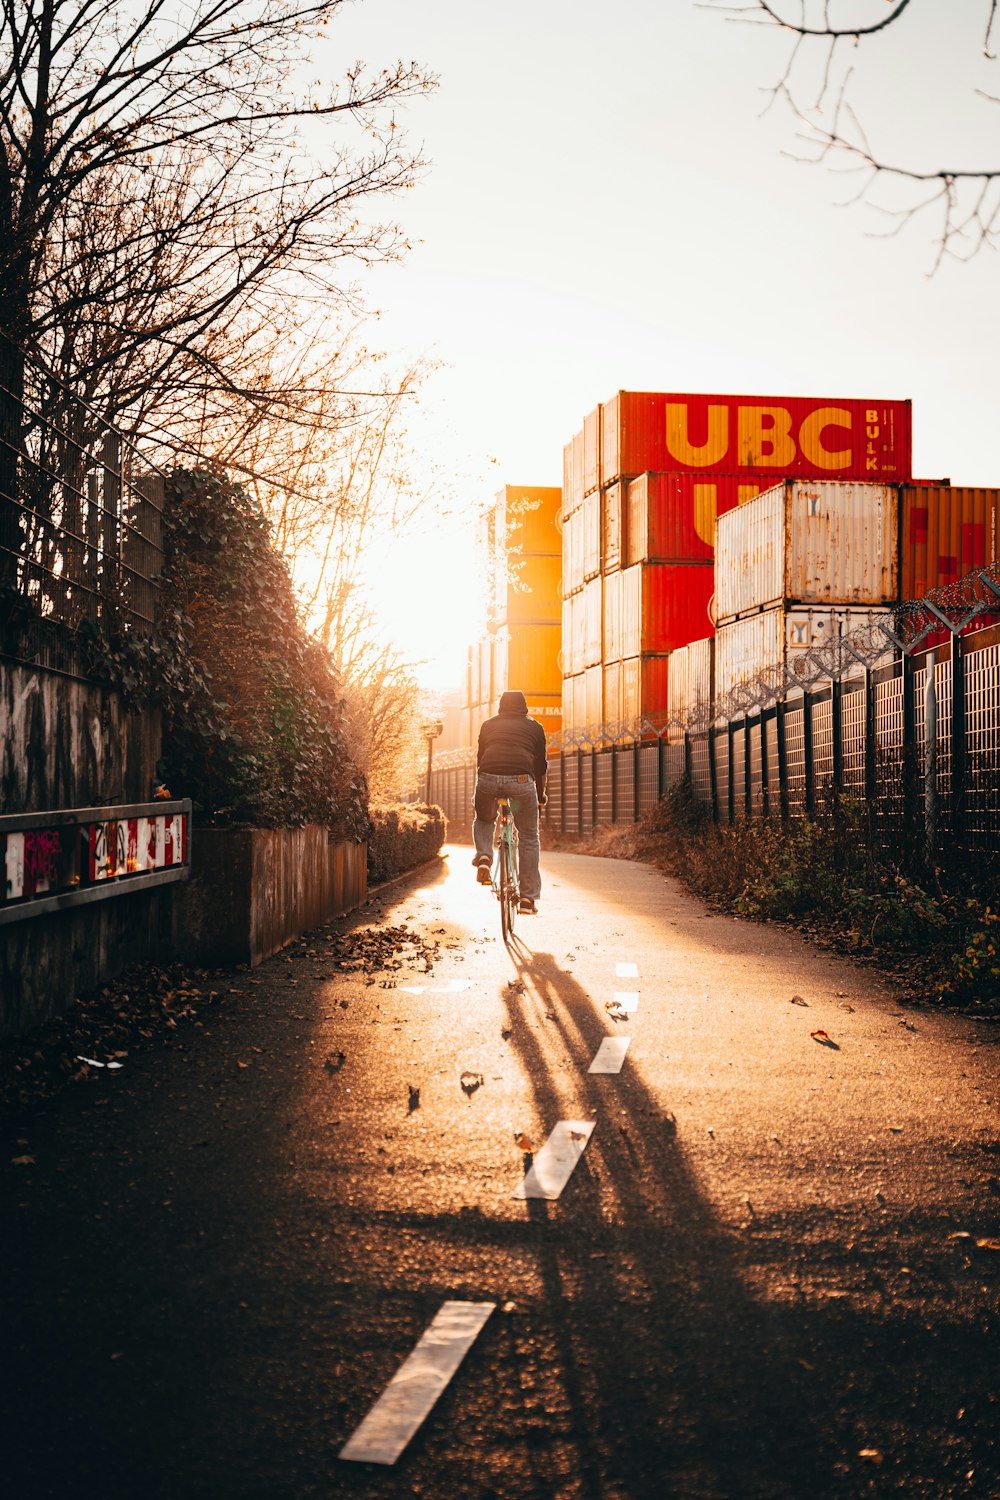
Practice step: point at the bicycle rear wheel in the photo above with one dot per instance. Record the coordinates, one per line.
(508, 889)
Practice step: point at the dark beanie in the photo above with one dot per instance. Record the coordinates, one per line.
(513, 703)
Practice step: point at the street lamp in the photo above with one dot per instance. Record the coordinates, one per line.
(430, 732)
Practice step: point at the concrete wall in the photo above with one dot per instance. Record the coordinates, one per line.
(65, 743)
(252, 890)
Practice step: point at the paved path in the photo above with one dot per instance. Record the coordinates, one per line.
(761, 1277)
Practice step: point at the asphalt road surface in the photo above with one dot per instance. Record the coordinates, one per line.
(772, 1270)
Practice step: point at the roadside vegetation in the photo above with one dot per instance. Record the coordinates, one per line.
(936, 928)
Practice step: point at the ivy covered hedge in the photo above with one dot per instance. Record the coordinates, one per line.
(252, 707)
(403, 835)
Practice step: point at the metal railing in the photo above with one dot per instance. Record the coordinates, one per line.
(81, 511)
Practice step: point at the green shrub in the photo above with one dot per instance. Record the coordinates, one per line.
(403, 835)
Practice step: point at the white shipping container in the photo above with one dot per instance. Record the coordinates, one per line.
(572, 558)
(823, 542)
(590, 515)
(580, 701)
(567, 703)
(677, 693)
(701, 664)
(612, 626)
(568, 663)
(775, 637)
(594, 677)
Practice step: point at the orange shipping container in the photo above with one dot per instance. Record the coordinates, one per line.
(527, 517)
(612, 508)
(533, 592)
(527, 659)
(644, 688)
(665, 605)
(946, 532)
(612, 692)
(802, 437)
(671, 517)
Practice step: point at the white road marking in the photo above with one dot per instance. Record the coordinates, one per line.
(413, 989)
(610, 1055)
(627, 971)
(451, 988)
(554, 1163)
(408, 1398)
(454, 985)
(627, 1000)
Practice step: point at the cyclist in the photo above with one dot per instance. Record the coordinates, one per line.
(511, 762)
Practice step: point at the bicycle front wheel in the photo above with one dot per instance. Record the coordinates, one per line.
(508, 888)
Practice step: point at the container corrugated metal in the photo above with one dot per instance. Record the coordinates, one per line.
(568, 484)
(573, 553)
(611, 631)
(612, 709)
(671, 517)
(645, 684)
(664, 605)
(946, 532)
(612, 508)
(527, 518)
(527, 658)
(810, 543)
(578, 469)
(568, 637)
(591, 602)
(701, 672)
(533, 593)
(805, 437)
(773, 638)
(591, 514)
(592, 450)
(580, 701)
(677, 685)
(567, 703)
(594, 678)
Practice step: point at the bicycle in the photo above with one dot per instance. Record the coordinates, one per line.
(505, 872)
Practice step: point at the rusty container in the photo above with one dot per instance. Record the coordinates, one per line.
(774, 638)
(612, 509)
(813, 543)
(671, 517)
(612, 707)
(591, 606)
(946, 531)
(611, 630)
(645, 681)
(664, 605)
(594, 679)
(591, 514)
(592, 450)
(796, 436)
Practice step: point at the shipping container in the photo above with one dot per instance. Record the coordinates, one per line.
(572, 557)
(612, 707)
(611, 629)
(591, 515)
(569, 480)
(701, 672)
(592, 450)
(533, 591)
(612, 509)
(567, 703)
(645, 680)
(671, 517)
(578, 469)
(946, 532)
(594, 678)
(580, 701)
(775, 637)
(690, 686)
(590, 604)
(802, 437)
(527, 518)
(527, 659)
(664, 605)
(568, 654)
(677, 691)
(819, 544)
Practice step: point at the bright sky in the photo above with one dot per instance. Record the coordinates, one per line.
(606, 208)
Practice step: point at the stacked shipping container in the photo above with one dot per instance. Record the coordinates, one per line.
(644, 482)
(522, 647)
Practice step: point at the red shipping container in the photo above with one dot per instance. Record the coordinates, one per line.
(800, 437)
(665, 605)
(946, 531)
(671, 517)
(644, 688)
(612, 507)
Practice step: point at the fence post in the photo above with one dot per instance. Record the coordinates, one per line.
(660, 766)
(909, 751)
(636, 770)
(713, 775)
(579, 789)
(614, 783)
(730, 776)
(747, 775)
(808, 753)
(765, 790)
(593, 786)
(870, 788)
(782, 747)
(930, 760)
(562, 791)
(958, 738)
(837, 730)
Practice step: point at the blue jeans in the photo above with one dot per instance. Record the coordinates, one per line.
(524, 803)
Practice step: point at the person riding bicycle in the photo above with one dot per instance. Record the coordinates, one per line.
(511, 763)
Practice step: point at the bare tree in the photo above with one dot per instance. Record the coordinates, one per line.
(964, 200)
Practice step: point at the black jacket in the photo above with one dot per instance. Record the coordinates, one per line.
(511, 744)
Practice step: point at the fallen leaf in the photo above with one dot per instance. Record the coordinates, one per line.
(523, 1143)
(335, 1062)
(414, 1098)
(242, 1065)
(470, 1082)
(871, 1456)
(844, 1006)
(821, 1036)
(506, 1032)
(581, 1135)
(22, 1161)
(988, 1244)
(798, 1000)
(960, 1234)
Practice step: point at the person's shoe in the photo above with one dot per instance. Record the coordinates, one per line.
(482, 863)
(527, 907)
